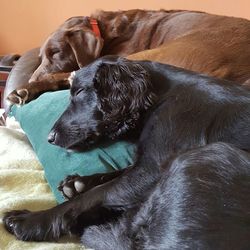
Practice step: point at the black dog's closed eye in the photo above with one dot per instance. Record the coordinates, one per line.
(79, 91)
(181, 193)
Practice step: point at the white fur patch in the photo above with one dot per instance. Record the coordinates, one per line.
(71, 78)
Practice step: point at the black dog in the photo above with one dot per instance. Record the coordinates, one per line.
(180, 193)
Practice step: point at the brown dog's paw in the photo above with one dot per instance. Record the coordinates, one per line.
(18, 96)
(72, 186)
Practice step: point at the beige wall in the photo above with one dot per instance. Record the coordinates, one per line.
(25, 24)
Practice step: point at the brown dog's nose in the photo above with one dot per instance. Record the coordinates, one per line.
(52, 137)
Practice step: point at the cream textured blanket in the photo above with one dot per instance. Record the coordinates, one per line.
(22, 186)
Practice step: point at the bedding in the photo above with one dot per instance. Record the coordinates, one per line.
(37, 118)
(22, 185)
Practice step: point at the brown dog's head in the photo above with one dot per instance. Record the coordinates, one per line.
(72, 46)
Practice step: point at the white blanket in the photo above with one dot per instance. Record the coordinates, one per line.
(22, 186)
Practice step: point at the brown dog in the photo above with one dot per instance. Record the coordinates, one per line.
(215, 45)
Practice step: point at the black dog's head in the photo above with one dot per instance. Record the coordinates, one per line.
(108, 99)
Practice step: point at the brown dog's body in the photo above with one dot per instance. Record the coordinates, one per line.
(215, 45)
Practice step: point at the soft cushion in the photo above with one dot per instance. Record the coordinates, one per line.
(37, 118)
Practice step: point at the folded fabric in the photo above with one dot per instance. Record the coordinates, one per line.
(37, 118)
(23, 186)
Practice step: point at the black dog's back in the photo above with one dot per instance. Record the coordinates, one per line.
(194, 111)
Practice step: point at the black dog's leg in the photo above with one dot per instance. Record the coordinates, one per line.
(73, 185)
(122, 192)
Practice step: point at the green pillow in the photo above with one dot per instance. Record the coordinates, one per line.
(37, 118)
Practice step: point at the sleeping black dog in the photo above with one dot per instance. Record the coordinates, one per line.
(189, 187)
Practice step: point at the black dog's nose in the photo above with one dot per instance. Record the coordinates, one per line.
(52, 137)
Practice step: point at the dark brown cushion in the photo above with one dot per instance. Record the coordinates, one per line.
(21, 72)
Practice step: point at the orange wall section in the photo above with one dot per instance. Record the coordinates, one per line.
(25, 24)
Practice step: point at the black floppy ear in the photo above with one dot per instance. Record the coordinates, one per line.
(124, 87)
(85, 45)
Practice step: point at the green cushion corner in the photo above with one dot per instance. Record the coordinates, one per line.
(37, 118)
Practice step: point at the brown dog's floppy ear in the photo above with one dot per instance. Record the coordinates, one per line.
(85, 45)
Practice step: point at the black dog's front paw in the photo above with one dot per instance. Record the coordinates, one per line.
(12, 219)
(72, 186)
(32, 226)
